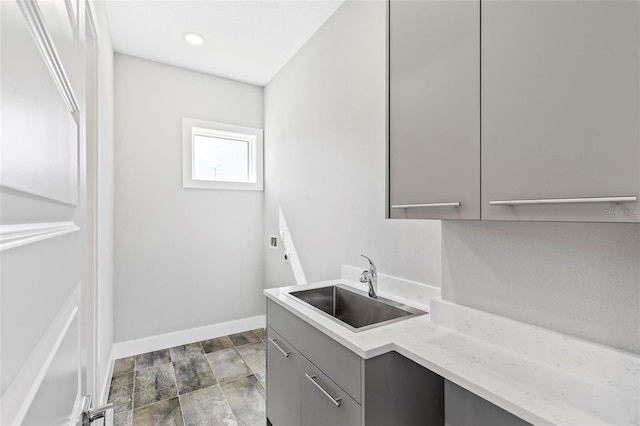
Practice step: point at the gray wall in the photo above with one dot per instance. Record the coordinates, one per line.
(325, 157)
(184, 257)
(582, 279)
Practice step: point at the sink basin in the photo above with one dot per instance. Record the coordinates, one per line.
(355, 309)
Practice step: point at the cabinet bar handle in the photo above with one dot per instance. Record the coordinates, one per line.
(630, 199)
(327, 394)
(415, 206)
(285, 353)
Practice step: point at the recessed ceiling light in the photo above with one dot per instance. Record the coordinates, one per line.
(193, 38)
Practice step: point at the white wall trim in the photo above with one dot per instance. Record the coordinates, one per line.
(254, 138)
(169, 340)
(47, 48)
(17, 398)
(106, 380)
(26, 233)
(74, 420)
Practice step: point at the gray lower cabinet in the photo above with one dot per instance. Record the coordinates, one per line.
(336, 361)
(434, 109)
(283, 383)
(312, 380)
(463, 408)
(560, 108)
(400, 392)
(325, 403)
(387, 390)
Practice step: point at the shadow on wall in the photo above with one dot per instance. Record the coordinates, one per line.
(290, 249)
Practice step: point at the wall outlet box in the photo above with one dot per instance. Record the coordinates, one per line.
(273, 242)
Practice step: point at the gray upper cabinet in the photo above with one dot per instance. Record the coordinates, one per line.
(550, 113)
(434, 109)
(560, 110)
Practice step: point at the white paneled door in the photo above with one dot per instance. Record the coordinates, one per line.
(47, 219)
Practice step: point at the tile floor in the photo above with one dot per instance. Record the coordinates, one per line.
(219, 381)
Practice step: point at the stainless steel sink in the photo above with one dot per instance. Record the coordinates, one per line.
(355, 309)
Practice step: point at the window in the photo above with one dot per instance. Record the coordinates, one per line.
(221, 156)
(218, 158)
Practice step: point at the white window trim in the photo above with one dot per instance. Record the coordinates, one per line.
(209, 128)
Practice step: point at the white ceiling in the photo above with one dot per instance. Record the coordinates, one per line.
(245, 40)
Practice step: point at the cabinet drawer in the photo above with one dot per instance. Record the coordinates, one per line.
(324, 402)
(325, 353)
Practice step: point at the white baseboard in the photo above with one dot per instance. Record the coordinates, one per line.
(169, 340)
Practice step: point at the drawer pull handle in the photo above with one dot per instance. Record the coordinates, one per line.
(336, 401)
(285, 353)
(630, 199)
(415, 206)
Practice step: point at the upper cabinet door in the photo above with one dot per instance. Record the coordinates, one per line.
(560, 110)
(434, 109)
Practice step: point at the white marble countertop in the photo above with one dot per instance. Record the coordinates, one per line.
(540, 392)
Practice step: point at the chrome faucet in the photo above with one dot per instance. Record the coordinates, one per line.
(371, 277)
